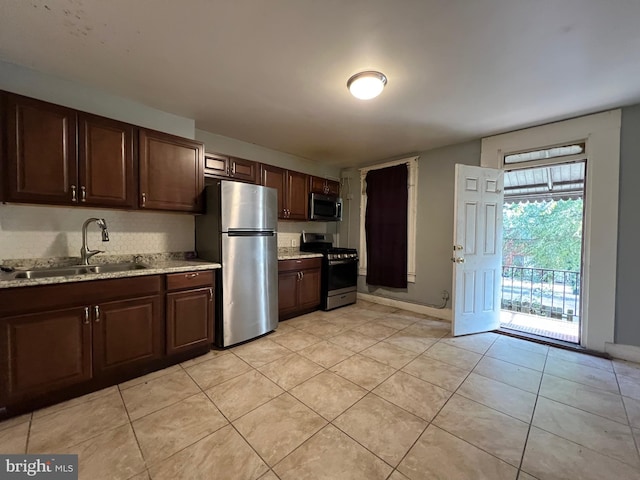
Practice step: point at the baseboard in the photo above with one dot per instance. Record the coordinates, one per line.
(623, 352)
(442, 314)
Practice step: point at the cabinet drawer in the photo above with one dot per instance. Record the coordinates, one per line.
(299, 264)
(180, 281)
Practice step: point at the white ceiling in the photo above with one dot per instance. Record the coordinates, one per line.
(274, 72)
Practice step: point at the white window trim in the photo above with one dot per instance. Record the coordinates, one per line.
(602, 134)
(412, 212)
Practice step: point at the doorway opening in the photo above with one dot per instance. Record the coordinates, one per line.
(543, 214)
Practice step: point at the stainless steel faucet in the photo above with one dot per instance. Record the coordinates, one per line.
(85, 252)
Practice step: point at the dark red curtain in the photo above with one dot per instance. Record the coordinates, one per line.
(386, 226)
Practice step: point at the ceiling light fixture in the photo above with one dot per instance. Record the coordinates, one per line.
(366, 85)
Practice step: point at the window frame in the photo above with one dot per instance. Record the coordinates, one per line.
(412, 213)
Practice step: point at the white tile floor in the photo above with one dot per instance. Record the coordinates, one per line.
(364, 392)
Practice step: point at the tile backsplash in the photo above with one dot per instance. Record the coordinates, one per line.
(37, 232)
(289, 232)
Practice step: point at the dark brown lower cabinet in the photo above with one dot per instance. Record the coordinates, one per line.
(57, 337)
(63, 340)
(44, 352)
(126, 333)
(189, 319)
(298, 286)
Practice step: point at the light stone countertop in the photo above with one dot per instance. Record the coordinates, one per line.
(156, 267)
(297, 255)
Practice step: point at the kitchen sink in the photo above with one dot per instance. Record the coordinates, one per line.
(52, 272)
(116, 267)
(78, 270)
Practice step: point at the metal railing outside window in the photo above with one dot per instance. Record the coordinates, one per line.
(541, 291)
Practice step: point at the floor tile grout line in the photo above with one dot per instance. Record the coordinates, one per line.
(626, 412)
(133, 430)
(229, 423)
(74, 405)
(587, 448)
(436, 415)
(533, 412)
(587, 411)
(108, 429)
(26, 444)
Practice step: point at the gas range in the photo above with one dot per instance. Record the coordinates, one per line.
(339, 269)
(341, 254)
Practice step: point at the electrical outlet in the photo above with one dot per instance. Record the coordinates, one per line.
(294, 242)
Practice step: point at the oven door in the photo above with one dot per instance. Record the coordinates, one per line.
(342, 276)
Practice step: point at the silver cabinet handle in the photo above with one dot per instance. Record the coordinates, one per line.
(74, 197)
(191, 275)
(96, 312)
(211, 294)
(86, 316)
(83, 194)
(144, 199)
(301, 275)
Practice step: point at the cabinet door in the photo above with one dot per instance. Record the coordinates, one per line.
(42, 352)
(106, 162)
(287, 292)
(171, 172)
(41, 152)
(127, 333)
(309, 289)
(317, 185)
(244, 170)
(189, 319)
(275, 177)
(333, 188)
(216, 165)
(297, 196)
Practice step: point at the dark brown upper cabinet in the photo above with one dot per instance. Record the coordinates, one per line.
(171, 172)
(233, 168)
(56, 155)
(41, 163)
(106, 162)
(293, 191)
(324, 186)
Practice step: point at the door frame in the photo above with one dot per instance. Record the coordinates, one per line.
(601, 134)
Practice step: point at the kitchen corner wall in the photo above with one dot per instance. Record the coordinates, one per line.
(37, 232)
(434, 233)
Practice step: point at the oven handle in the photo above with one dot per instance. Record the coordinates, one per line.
(342, 262)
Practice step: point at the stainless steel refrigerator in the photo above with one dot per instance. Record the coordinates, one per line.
(239, 231)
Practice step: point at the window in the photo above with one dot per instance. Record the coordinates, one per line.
(412, 164)
(534, 155)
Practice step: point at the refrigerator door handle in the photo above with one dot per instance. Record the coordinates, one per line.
(251, 233)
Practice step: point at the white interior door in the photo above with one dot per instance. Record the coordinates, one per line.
(477, 251)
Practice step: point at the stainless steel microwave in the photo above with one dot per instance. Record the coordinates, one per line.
(325, 208)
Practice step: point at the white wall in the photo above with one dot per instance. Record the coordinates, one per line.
(434, 233)
(230, 146)
(31, 83)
